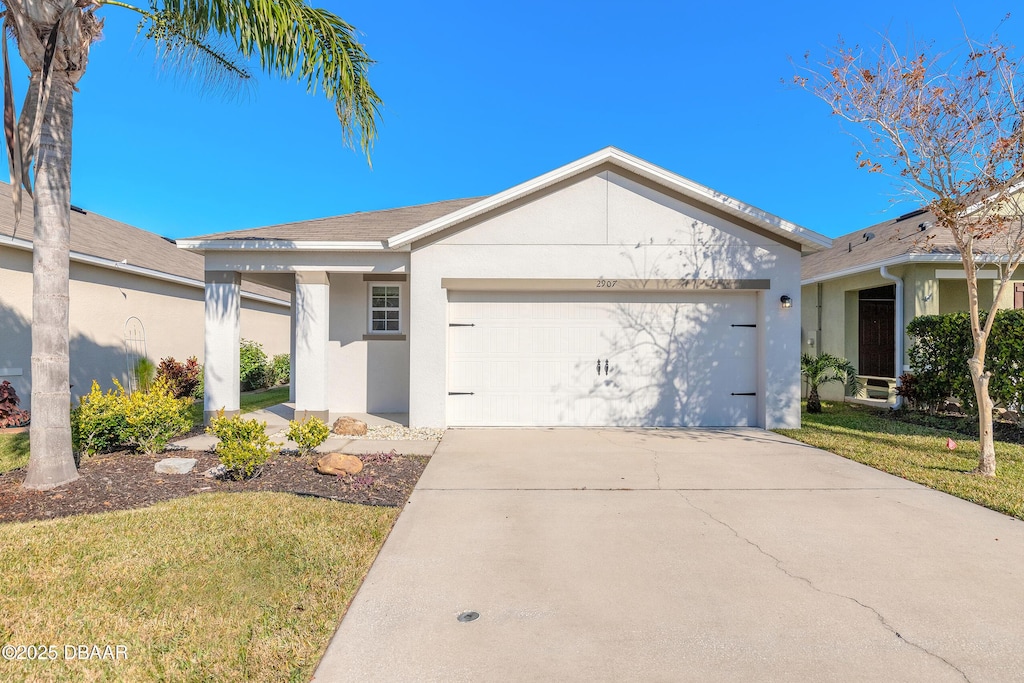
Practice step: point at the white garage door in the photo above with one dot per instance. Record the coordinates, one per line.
(565, 359)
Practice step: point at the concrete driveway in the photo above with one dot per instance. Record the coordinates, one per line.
(681, 555)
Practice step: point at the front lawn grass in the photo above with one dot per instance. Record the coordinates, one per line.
(216, 587)
(248, 401)
(917, 453)
(13, 451)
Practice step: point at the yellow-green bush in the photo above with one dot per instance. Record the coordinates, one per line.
(308, 433)
(143, 420)
(244, 445)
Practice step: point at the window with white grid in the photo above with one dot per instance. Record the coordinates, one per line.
(385, 309)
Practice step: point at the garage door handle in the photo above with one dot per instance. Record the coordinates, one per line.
(606, 366)
(460, 393)
(599, 366)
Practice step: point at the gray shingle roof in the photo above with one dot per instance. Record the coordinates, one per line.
(915, 232)
(97, 235)
(362, 226)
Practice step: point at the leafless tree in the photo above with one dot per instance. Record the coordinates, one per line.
(948, 126)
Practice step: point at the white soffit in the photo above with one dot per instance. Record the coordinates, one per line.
(808, 239)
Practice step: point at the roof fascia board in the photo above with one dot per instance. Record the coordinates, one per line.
(900, 260)
(698, 192)
(109, 264)
(278, 245)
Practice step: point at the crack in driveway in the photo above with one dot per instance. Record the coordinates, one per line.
(654, 455)
(812, 586)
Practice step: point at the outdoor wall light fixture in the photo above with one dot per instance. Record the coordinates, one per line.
(786, 301)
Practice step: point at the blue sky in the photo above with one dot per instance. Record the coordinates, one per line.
(482, 96)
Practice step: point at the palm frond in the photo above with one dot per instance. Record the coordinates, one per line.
(194, 56)
(291, 39)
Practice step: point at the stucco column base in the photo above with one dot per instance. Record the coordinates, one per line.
(303, 414)
(209, 415)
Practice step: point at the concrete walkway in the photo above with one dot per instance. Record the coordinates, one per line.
(691, 555)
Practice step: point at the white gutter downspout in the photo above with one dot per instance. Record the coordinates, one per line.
(884, 272)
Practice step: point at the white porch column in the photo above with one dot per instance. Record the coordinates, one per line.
(312, 317)
(222, 337)
(291, 351)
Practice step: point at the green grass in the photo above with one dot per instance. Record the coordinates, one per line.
(248, 402)
(918, 453)
(217, 587)
(13, 451)
(263, 398)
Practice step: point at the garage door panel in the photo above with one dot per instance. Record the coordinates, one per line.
(603, 362)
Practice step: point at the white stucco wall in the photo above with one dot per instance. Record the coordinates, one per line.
(366, 376)
(606, 226)
(101, 301)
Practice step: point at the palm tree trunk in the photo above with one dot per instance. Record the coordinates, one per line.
(813, 400)
(52, 462)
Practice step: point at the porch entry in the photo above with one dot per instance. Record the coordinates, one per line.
(877, 339)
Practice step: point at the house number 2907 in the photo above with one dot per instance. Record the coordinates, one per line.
(606, 283)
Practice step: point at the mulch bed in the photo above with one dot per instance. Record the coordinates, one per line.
(123, 481)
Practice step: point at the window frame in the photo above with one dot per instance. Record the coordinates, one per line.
(370, 308)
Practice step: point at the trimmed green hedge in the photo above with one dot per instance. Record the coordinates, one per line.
(942, 347)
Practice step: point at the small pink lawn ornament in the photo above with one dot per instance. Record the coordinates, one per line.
(950, 444)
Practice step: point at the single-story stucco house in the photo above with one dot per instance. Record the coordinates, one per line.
(605, 292)
(860, 294)
(118, 273)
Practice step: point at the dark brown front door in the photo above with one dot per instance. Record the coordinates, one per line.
(1018, 295)
(877, 337)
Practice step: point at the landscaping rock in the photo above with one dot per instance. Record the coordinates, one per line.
(339, 464)
(349, 426)
(215, 472)
(175, 466)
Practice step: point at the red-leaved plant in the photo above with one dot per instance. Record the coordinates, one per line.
(10, 414)
(182, 378)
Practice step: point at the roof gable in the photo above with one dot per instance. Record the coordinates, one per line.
(611, 157)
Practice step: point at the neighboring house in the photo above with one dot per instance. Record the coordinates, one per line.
(118, 272)
(859, 295)
(606, 292)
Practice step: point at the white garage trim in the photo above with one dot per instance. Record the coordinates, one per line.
(508, 284)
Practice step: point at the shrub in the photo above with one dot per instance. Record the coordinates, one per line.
(942, 347)
(143, 420)
(282, 368)
(98, 421)
(254, 370)
(154, 417)
(244, 445)
(938, 358)
(145, 373)
(909, 389)
(200, 387)
(182, 378)
(10, 414)
(308, 434)
(1006, 358)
